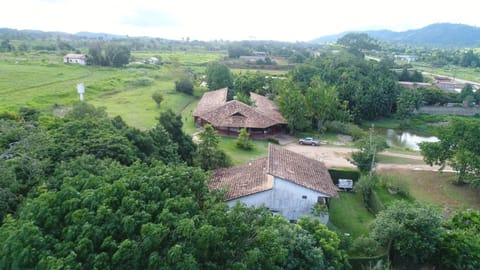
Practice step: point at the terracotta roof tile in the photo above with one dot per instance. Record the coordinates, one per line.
(300, 170)
(214, 108)
(268, 107)
(210, 101)
(242, 180)
(237, 114)
(252, 177)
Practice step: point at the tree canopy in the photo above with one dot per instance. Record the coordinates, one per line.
(218, 76)
(458, 147)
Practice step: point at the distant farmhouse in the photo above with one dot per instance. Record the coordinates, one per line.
(74, 58)
(257, 56)
(228, 117)
(152, 60)
(405, 58)
(285, 182)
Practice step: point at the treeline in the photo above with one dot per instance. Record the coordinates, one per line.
(89, 192)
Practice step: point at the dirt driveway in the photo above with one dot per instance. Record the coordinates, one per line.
(337, 156)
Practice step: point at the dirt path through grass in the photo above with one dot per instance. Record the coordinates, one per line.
(338, 156)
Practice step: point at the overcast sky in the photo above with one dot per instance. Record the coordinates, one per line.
(284, 20)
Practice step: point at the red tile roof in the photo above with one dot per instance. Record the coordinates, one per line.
(301, 170)
(253, 177)
(210, 101)
(214, 109)
(242, 180)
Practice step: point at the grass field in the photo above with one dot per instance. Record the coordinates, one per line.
(438, 189)
(349, 215)
(41, 80)
(470, 74)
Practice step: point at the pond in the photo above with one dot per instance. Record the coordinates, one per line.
(402, 138)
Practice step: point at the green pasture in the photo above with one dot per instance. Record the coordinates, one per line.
(41, 80)
(186, 58)
(438, 189)
(470, 74)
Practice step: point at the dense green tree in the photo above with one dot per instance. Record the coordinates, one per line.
(249, 82)
(359, 41)
(6, 46)
(244, 98)
(24, 161)
(458, 147)
(209, 156)
(184, 85)
(236, 50)
(369, 146)
(460, 245)
(243, 141)
(117, 55)
(323, 104)
(218, 76)
(164, 148)
(108, 54)
(407, 102)
(153, 217)
(369, 88)
(95, 54)
(90, 136)
(334, 256)
(173, 125)
(303, 74)
(413, 229)
(467, 95)
(435, 96)
(157, 96)
(292, 104)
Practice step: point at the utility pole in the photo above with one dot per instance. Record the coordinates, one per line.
(372, 148)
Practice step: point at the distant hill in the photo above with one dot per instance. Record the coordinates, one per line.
(437, 35)
(9, 33)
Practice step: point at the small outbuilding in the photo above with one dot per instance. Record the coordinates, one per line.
(75, 58)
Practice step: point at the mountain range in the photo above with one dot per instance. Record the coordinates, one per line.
(435, 35)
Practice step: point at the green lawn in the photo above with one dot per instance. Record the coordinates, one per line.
(398, 160)
(349, 215)
(239, 156)
(438, 189)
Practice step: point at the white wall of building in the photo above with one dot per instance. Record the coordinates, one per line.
(291, 200)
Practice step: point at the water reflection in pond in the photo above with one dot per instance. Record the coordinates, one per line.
(398, 138)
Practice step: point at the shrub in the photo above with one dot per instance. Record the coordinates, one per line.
(395, 185)
(364, 246)
(365, 187)
(345, 128)
(243, 141)
(185, 85)
(273, 140)
(140, 82)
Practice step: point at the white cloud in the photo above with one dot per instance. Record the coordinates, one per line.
(215, 19)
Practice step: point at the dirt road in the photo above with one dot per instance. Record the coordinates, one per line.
(338, 156)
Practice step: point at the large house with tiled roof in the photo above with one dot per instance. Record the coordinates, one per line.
(227, 117)
(285, 182)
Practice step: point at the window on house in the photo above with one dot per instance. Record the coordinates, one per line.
(304, 196)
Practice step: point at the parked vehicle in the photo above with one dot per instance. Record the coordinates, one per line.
(309, 141)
